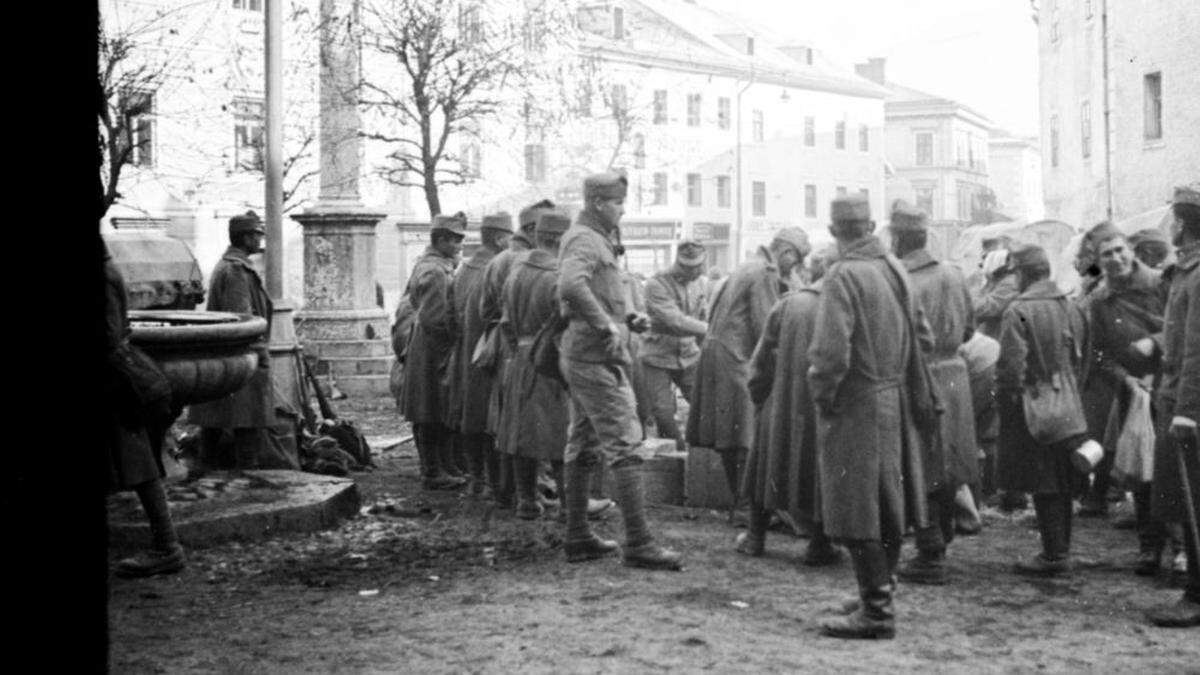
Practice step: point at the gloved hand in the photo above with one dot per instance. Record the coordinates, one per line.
(637, 322)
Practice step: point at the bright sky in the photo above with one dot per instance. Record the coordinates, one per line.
(980, 52)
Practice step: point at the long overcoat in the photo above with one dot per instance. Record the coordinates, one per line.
(951, 454)
(470, 388)
(1179, 392)
(534, 423)
(491, 309)
(863, 356)
(236, 287)
(424, 394)
(722, 415)
(781, 469)
(1039, 321)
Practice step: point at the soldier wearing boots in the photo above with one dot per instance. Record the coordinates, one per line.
(471, 387)
(873, 398)
(1176, 486)
(781, 469)
(949, 459)
(1041, 339)
(594, 361)
(722, 415)
(424, 395)
(533, 428)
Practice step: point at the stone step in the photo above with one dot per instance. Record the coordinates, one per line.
(363, 386)
(347, 348)
(350, 365)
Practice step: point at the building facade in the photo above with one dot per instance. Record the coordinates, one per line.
(1015, 176)
(1119, 105)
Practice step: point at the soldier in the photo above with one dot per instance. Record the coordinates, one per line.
(1041, 338)
(534, 426)
(1176, 483)
(594, 360)
(1150, 247)
(491, 308)
(424, 395)
(781, 469)
(722, 415)
(675, 303)
(873, 397)
(471, 387)
(949, 460)
(237, 287)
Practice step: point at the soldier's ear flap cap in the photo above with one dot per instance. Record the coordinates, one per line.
(454, 224)
(690, 254)
(501, 221)
(851, 207)
(552, 222)
(907, 218)
(609, 185)
(1027, 256)
(246, 222)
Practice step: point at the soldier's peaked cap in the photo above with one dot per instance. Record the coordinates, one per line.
(908, 218)
(246, 222)
(609, 185)
(455, 224)
(850, 208)
(552, 222)
(690, 254)
(796, 237)
(497, 221)
(1029, 255)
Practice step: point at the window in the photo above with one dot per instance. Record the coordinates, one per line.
(248, 5)
(723, 192)
(758, 198)
(841, 190)
(248, 119)
(1087, 9)
(723, 112)
(693, 190)
(864, 137)
(1153, 106)
(839, 135)
(1055, 35)
(1085, 128)
(750, 46)
(810, 201)
(618, 17)
(959, 150)
(965, 195)
(639, 151)
(1054, 140)
(585, 99)
(970, 152)
(660, 106)
(866, 193)
(469, 25)
(924, 195)
(660, 189)
(469, 160)
(139, 107)
(619, 104)
(535, 162)
(924, 148)
(756, 121)
(693, 117)
(810, 131)
(535, 28)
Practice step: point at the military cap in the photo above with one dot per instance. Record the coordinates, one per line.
(908, 218)
(1028, 255)
(528, 216)
(850, 207)
(1148, 236)
(608, 185)
(455, 224)
(246, 222)
(1187, 194)
(690, 253)
(497, 221)
(796, 238)
(552, 222)
(1103, 232)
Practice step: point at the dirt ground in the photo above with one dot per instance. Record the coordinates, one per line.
(435, 582)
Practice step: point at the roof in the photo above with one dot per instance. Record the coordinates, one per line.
(904, 97)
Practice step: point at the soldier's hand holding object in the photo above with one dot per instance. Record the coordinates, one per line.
(638, 323)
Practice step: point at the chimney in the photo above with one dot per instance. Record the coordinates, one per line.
(873, 70)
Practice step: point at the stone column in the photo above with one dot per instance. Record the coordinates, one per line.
(341, 322)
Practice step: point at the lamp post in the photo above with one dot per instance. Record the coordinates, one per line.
(737, 153)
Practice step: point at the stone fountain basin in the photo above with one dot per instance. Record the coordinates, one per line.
(205, 355)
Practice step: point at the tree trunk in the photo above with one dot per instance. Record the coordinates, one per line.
(431, 194)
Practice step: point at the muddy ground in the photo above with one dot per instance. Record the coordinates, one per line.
(434, 582)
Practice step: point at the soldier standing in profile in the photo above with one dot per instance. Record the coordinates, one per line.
(424, 395)
(675, 304)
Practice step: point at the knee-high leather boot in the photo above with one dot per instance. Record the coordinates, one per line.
(581, 544)
(639, 549)
(875, 617)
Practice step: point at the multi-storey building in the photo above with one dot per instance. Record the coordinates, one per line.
(1015, 175)
(1119, 105)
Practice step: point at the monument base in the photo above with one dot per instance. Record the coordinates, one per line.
(353, 349)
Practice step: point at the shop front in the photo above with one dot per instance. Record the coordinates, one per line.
(715, 239)
(649, 244)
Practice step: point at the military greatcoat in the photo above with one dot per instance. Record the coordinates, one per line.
(424, 394)
(470, 388)
(236, 287)
(722, 415)
(491, 308)
(535, 419)
(781, 469)
(951, 455)
(861, 380)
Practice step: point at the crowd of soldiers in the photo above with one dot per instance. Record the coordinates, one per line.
(857, 392)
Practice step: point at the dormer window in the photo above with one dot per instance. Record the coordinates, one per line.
(618, 19)
(750, 46)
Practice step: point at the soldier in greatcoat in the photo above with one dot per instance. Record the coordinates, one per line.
(533, 428)
(675, 304)
(236, 287)
(1041, 339)
(950, 453)
(873, 397)
(781, 469)
(1176, 496)
(722, 415)
(594, 359)
(491, 308)
(424, 394)
(471, 387)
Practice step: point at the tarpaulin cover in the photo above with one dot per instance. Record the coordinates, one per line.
(158, 270)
